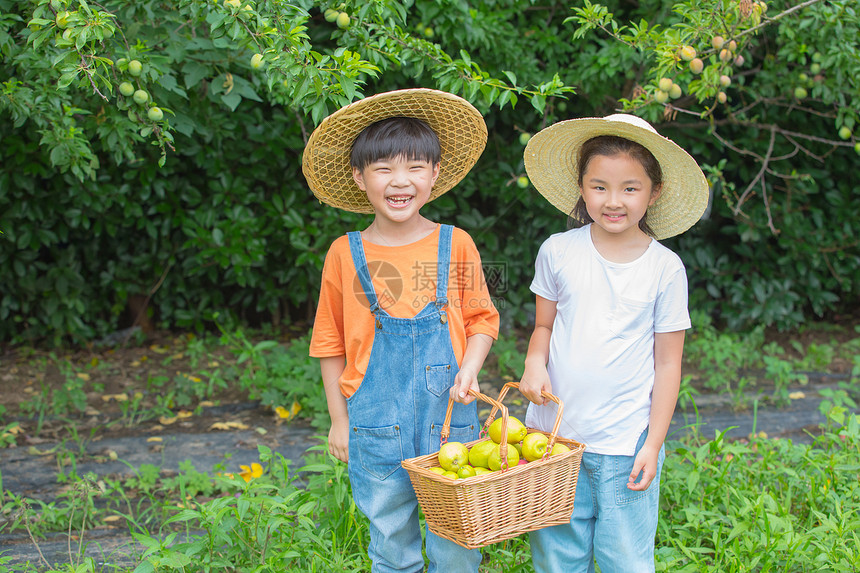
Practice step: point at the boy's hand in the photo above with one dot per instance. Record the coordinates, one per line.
(534, 381)
(465, 379)
(338, 440)
(645, 463)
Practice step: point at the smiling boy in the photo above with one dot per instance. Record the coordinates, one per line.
(404, 320)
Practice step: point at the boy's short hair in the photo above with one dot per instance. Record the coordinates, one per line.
(392, 137)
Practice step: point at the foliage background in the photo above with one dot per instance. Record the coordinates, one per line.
(110, 217)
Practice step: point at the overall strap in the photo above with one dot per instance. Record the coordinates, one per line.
(443, 265)
(360, 261)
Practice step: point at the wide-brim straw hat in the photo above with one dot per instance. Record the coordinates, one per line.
(551, 157)
(460, 127)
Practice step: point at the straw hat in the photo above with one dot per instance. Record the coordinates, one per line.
(551, 158)
(460, 127)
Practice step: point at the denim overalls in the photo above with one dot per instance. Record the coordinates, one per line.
(397, 413)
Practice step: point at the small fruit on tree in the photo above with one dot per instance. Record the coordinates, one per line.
(155, 114)
(257, 61)
(126, 89)
(516, 430)
(857, 147)
(697, 65)
(343, 20)
(725, 55)
(815, 68)
(717, 42)
(660, 96)
(62, 19)
(330, 15)
(140, 97)
(665, 84)
(722, 97)
(800, 92)
(429, 32)
(135, 67)
(675, 91)
(233, 3)
(688, 53)
(453, 455)
(522, 181)
(733, 46)
(725, 81)
(739, 61)
(845, 132)
(817, 57)
(524, 137)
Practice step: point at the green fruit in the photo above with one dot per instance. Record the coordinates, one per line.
(522, 182)
(524, 137)
(155, 114)
(722, 97)
(845, 132)
(717, 42)
(696, 66)
(495, 458)
(857, 147)
(62, 19)
(800, 92)
(428, 32)
(661, 97)
(725, 55)
(330, 15)
(126, 89)
(233, 3)
(343, 20)
(479, 453)
(675, 91)
(466, 471)
(140, 96)
(801, 77)
(815, 68)
(688, 53)
(817, 57)
(534, 446)
(135, 67)
(257, 61)
(453, 455)
(516, 430)
(665, 84)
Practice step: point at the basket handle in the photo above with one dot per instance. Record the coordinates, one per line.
(496, 404)
(546, 395)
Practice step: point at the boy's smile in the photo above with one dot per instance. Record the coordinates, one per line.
(397, 187)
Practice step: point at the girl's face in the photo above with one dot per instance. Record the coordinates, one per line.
(617, 191)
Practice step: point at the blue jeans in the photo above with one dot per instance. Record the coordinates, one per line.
(398, 412)
(610, 523)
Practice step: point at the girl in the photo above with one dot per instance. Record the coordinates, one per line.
(611, 312)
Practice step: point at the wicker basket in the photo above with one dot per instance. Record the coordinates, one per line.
(489, 508)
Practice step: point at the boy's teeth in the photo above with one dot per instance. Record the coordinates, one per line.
(399, 199)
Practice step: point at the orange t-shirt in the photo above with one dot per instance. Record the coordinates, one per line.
(404, 279)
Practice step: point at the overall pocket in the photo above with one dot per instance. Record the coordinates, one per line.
(379, 450)
(439, 378)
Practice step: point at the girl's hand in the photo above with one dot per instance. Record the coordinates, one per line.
(465, 379)
(534, 381)
(338, 440)
(646, 464)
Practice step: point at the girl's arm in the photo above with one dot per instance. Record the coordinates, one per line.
(668, 350)
(332, 368)
(477, 348)
(535, 377)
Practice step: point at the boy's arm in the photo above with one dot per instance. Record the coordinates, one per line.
(477, 348)
(535, 378)
(332, 368)
(668, 351)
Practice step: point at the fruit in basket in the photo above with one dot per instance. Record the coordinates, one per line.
(495, 458)
(466, 471)
(522, 462)
(534, 446)
(482, 471)
(519, 447)
(516, 431)
(450, 475)
(437, 470)
(452, 455)
(559, 449)
(479, 452)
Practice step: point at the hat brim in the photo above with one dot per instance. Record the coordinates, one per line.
(551, 158)
(326, 161)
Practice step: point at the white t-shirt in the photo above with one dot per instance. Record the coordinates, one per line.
(601, 358)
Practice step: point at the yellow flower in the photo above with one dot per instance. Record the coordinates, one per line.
(249, 473)
(285, 414)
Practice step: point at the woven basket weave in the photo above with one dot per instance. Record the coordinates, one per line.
(485, 509)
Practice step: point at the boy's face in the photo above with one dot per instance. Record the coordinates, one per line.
(397, 187)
